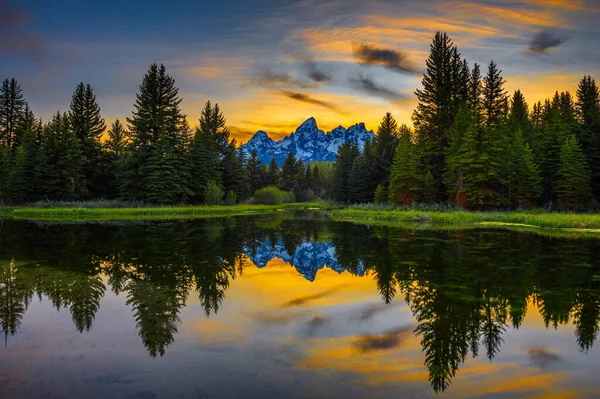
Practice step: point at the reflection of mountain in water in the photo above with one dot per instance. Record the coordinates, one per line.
(308, 258)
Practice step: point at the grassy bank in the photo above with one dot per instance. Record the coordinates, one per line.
(172, 212)
(523, 219)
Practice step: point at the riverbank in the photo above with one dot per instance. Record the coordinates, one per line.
(419, 219)
(517, 219)
(144, 213)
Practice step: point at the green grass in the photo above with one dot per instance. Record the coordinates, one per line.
(170, 212)
(523, 219)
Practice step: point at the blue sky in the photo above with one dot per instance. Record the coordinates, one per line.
(256, 58)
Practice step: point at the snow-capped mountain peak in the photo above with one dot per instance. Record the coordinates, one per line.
(308, 142)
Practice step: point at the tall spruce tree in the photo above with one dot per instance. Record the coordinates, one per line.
(405, 179)
(518, 117)
(12, 110)
(62, 174)
(573, 180)
(588, 132)
(253, 171)
(157, 115)
(88, 126)
(384, 146)
(344, 160)
(523, 181)
(438, 106)
(495, 99)
(358, 181)
(273, 173)
(453, 175)
(209, 147)
(289, 172)
(117, 140)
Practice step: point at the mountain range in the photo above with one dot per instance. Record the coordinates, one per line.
(308, 258)
(308, 142)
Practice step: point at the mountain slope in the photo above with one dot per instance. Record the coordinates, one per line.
(308, 142)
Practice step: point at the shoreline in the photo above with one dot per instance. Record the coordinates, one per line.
(419, 219)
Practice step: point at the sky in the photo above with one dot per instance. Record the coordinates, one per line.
(271, 64)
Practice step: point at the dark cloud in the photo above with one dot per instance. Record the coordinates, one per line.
(275, 319)
(308, 298)
(368, 85)
(370, 311)
(545, 40)
(313, 70)
(305, 98)
(542, 357)
(392, 59)
(16, 37)
(387, 340)
(269, 77)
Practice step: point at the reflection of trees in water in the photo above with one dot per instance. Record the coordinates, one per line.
(464, 288)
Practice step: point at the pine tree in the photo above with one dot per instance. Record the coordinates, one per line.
(518, 117)
(344, 160)
(523, 181)
(209, 146)
(318, 182)
(118, 139)
(289, 176)
(438, 106)
(479, 160)
(88, 126)
(495, 99)
(253, 170)
(358, 181)
(234, 174)
(453, 175)
(550, 137)
(573, 182)
(23, 178)
(273, 173)
(405, 178)
(157, 113)
(383, 147)
(164, 183)
(12, 110)
(381, 196)
(62, 172)
(588, 132)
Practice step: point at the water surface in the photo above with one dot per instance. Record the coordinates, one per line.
(295, 307)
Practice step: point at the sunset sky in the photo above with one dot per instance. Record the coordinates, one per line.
(271, 64)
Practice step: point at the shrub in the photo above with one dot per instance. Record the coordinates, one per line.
(304, 196)
(213, 194)
(231, 198)
(288, 197)
(269, 195)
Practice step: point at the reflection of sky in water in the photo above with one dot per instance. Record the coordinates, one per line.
(279, 335)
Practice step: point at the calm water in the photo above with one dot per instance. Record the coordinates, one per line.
(282, 307)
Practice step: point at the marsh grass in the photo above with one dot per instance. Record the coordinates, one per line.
(131, 213)
(534, 218)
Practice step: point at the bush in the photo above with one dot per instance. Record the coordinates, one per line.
(231, 198)
(380, 195)
(269, 195)
(288, 197)
(213, 194)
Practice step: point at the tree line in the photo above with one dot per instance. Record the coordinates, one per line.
(472, 146)
(154, 156)
(476, 147)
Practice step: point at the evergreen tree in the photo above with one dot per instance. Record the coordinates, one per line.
(157, 113)
(23, 177)
(289, 173)
(381, 196)
(573, 183)
(164, 182)
(117, 141)
(318, 182)
(523, 179)
(88, 126)
(62, 165)
(383, 147)
(479, 160)
(12, 110)
(253, 171)
(273, 173)
(344, 160)
(4, 171)
(475, 89)
(359, 180)
(234, 174)
(209, 147)
(405, 178)
(453, 175)
(518, 117)
(588, 133)
(438, 106)
(495, 99)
